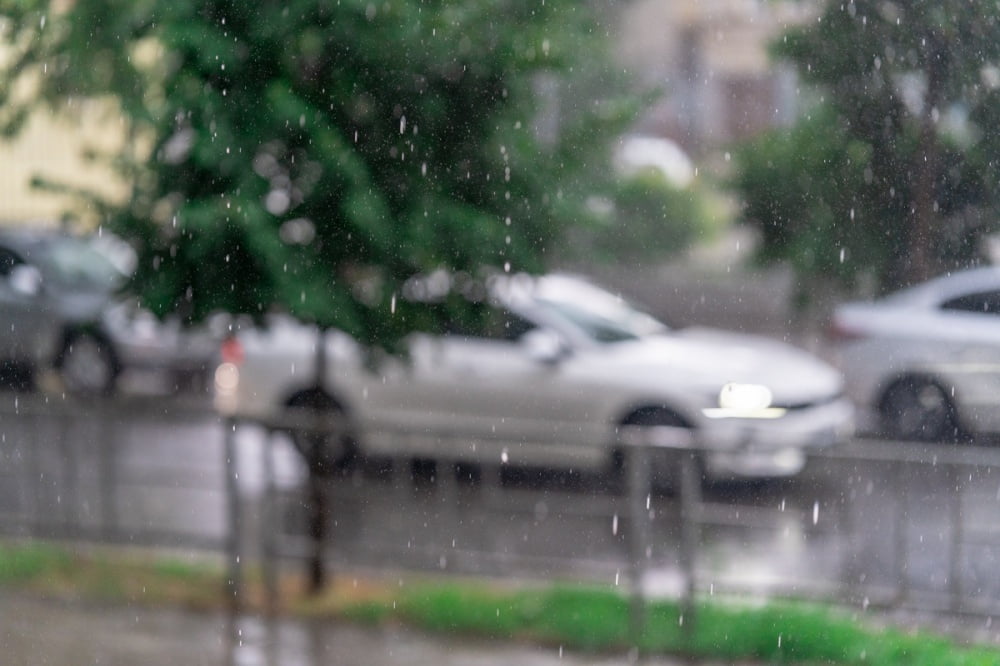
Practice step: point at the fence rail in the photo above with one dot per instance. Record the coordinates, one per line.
(81, 470)
(893, 524)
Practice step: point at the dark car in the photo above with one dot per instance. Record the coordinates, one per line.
(64, 315)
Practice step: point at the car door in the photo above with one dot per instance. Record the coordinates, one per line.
(491, 396)
(27, 325)
(966, 338)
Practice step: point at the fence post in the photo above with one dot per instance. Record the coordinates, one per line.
(901, 547)
(957, 535)
(234, 579)
(690, 532)
(637, 462)
(107, 447)
(268, 523)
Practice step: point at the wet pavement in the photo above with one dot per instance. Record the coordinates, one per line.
(60, 633)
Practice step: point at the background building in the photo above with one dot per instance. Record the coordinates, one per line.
(709, 58)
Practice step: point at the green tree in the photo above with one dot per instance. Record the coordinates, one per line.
(885, 175)
(316, 154)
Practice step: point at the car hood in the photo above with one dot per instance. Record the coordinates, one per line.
(706, 359)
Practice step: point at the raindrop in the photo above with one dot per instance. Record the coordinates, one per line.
(506, 267)
(41, 24)
(392, 305)
(843, 254)
(504, 456)
(614, 525)
(815, 512)
(779, 640)
(729, 156)
(423, 169)
(402, 124)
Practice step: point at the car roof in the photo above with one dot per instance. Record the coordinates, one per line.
(949, 285)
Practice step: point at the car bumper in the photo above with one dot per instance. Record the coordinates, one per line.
(772, 448)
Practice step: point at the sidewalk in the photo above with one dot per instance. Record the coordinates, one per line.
(37, 631)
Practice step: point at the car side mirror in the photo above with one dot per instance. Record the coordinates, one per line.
(25, 280)
(544, 346)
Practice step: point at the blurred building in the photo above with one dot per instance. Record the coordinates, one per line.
(709, 59)
(60, 149)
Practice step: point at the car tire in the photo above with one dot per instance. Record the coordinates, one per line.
(665, 464)
(918, 409)
(87, 365)
(325, 454)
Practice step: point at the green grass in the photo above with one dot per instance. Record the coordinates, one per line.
(598, 620)
(31, 561)
(583, 618)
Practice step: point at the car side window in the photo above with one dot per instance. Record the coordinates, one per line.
(987, 302)
(8, 260)
(497, 324)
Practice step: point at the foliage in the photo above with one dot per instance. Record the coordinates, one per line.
(886, 174)
(314, 155)
(648, 220)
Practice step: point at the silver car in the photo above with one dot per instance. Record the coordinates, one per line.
(924, 363)
(562, 367)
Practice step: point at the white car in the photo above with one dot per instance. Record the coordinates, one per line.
(924, 363)
(565, 365)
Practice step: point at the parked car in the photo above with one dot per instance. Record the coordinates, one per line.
(924, 363)
(562, 367)
(63, 312)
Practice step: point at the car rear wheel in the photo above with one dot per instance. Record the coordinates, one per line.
(324, 445)
(918, 409)
(87, 365)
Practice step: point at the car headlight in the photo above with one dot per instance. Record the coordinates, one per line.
(745, 401)
(745, 397)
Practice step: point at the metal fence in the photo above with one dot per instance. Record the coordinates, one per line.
(133, 471)
(871, 523)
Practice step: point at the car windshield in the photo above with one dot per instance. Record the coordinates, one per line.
(600, 315)
(74, 263)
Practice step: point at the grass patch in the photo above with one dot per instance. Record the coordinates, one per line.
(582, 618)
(25, 563)
(109, 576)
